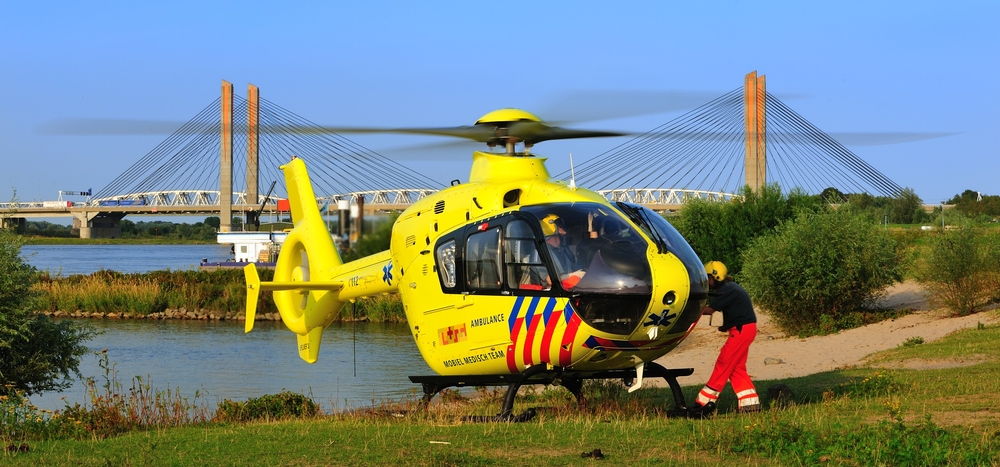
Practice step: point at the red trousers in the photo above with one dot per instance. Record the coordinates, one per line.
(732, 366)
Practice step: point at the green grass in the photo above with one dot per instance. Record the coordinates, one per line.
(861, 416)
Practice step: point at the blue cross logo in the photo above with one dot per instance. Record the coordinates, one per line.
(659, 320)
(387, 273)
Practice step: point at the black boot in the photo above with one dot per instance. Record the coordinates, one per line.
(702, 411)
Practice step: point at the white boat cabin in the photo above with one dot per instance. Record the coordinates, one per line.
(253, 247)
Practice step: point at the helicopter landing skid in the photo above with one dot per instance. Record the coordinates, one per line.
(572, 380)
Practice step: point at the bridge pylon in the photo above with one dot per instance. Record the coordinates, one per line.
(755, 160)
(226, 160)
(253, 146)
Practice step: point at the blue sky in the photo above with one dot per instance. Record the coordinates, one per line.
(850, 66)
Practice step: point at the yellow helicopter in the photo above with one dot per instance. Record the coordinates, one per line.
(511, 278)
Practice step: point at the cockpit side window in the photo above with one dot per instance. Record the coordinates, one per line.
(445, 256)
(482, 260)
(525, 269)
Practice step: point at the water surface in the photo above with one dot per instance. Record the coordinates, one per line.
(85, 259)
(218, 359)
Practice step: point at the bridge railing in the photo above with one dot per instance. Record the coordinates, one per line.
(395, 197)
(373, 198)
(22, 205)
(402, 196)
(663, 195)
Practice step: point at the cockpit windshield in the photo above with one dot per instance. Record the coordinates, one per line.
(593, 249)
(670, 240)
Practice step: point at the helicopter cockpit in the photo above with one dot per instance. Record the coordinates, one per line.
(573, 247)
(582, 250)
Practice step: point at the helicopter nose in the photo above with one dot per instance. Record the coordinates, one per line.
(696, 299)
(689, 290)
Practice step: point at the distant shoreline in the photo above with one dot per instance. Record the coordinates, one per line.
(200, 314)
(110, 241)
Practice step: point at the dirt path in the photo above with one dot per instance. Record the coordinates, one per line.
(801, 357)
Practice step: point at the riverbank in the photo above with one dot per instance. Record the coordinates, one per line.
(209, 295)
(180, 313)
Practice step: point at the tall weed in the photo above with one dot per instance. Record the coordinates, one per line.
(112, 408)
(140, 294)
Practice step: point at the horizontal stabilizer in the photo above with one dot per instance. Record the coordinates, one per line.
(296, 285)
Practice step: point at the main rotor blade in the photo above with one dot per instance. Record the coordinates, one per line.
(529, 132)
(536, 132)
(881, 138)
(844, 138)
(108, 126)
(592, 105)
(479, 133)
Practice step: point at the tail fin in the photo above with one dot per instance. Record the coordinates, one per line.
(303, 291)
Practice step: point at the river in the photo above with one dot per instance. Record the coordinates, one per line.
(216, 358)
(84, 259)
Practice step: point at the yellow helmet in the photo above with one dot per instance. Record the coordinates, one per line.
(550, 225)
(717, 270)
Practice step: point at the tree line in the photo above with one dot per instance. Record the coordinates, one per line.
(205, 230)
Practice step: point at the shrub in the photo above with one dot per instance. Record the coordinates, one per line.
(374, 241)
(961, 269)
(720, 231)
(36, 353)
(268, 407)
(382, 308)
(821, 264)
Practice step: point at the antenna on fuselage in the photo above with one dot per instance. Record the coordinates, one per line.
(572, 173)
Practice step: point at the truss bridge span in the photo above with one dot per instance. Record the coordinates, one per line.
(663, 199)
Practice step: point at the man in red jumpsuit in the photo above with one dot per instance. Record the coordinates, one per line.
(740, 321)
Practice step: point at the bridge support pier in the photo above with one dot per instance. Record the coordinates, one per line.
(19, 224)
(98, 224)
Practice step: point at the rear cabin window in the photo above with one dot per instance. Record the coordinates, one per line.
(482, 260)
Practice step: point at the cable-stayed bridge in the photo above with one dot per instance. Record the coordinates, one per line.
(744, 137)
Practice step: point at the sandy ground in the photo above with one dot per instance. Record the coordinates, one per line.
(774, 355)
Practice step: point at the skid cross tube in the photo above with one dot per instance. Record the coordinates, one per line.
(572, 380)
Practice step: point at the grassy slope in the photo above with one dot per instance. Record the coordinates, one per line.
(860, 416)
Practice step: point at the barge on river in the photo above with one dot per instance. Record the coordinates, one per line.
(260, 248)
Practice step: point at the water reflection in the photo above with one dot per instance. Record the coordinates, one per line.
(218, 358)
